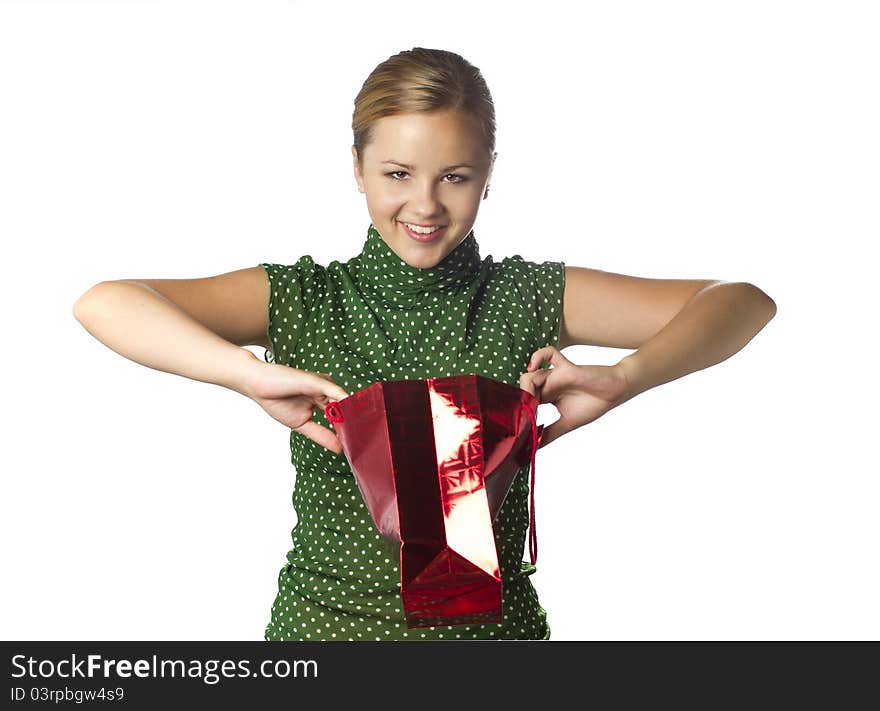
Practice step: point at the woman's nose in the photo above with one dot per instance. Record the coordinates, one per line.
(424, 200)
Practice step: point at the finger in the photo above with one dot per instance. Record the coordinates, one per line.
(533, 383)
(525, 383)
(335, 393)
(539, 377)
(323, 388)
(542, 355)
(321, 435)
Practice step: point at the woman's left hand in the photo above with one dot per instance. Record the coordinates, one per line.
(581, 393)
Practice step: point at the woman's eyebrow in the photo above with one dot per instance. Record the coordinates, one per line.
(409, 167)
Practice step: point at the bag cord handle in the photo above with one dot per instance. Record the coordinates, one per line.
(533, 535)
(330, 412)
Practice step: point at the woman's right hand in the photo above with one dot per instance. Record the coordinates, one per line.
(291, 395)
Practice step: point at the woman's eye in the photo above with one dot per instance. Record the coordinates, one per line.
(460, 178)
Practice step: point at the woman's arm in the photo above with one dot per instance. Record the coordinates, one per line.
(712, 325)
(718, 321)
(142, 325)
(139, 322)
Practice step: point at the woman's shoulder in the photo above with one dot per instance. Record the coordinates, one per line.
(516, 268)
(305, 272)
(303, 281)
(305, 264)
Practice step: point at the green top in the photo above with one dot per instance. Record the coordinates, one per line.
(375, 318)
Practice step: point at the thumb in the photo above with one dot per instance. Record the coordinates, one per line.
(533, 382)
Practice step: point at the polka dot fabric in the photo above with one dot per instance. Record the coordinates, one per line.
(374, 318)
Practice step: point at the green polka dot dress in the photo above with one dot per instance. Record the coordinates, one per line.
(374, 318)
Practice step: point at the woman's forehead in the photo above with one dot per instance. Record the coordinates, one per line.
(411, 138)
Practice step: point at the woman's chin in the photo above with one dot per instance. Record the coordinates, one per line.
(422, 264)
(419, 257)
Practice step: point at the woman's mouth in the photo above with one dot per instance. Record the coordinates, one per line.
(420, 234)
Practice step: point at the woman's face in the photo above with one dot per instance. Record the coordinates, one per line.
(426, 169)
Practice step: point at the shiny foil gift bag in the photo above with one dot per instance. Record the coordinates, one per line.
(434, 460)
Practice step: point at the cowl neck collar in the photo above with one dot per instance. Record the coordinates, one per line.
(393, 281)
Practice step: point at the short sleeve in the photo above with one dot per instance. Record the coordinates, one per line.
(539, 288)
(293, 289)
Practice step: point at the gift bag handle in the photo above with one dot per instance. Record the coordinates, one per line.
(533, 535)
(330, 411)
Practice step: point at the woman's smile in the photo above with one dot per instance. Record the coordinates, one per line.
(423, 237)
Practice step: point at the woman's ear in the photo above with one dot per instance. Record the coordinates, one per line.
(489, 176)
(357, 171)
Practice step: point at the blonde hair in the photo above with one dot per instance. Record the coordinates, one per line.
(422, 80)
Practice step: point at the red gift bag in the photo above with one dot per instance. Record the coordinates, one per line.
(434, 460)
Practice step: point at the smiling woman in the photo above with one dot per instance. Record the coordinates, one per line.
(423, 210)
(419, 301)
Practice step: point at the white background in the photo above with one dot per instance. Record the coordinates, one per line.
(733, 141)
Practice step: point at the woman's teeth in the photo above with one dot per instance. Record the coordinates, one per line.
(422, 230)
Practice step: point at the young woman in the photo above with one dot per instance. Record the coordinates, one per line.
(418, 301)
